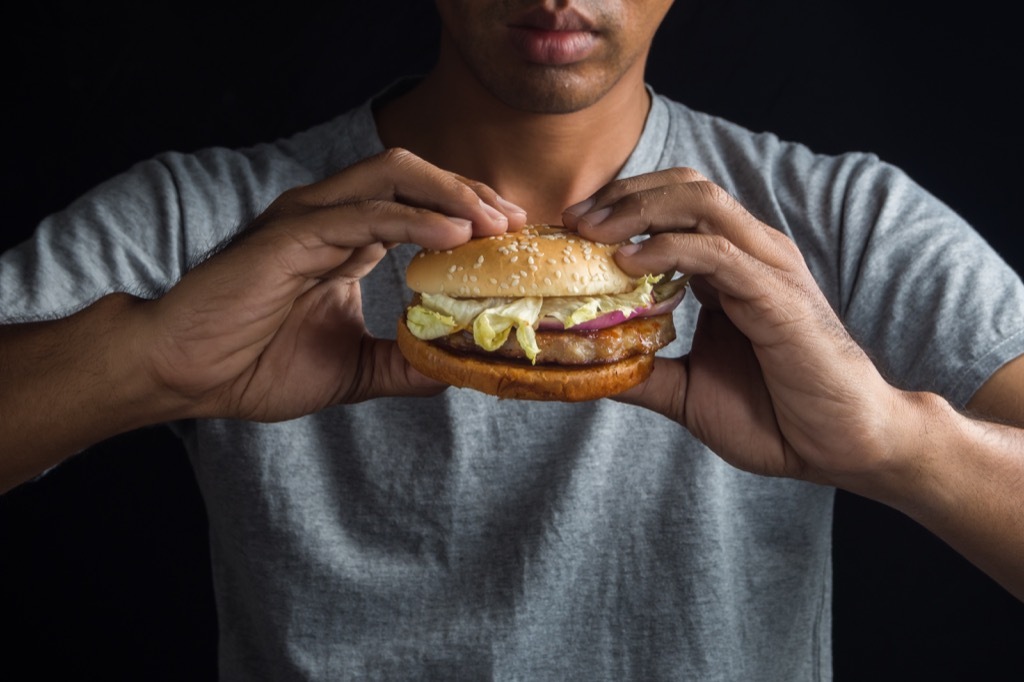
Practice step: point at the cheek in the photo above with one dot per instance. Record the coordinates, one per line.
(642, 20)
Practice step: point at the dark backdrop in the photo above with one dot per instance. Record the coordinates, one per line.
(103, 564)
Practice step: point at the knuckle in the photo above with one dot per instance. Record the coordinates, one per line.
(397, 156)
(724, 249)
(475, 186)
(788, 246)
(683, 174)
(715, 194)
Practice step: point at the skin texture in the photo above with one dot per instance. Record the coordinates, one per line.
(772, 370)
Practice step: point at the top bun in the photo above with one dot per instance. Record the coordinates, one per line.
(539, 260)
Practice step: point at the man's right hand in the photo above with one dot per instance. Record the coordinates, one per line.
(269, 328)
(272, 327)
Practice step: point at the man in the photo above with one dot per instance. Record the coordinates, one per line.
(503, 544)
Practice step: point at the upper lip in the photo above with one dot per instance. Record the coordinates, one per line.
(565, 20)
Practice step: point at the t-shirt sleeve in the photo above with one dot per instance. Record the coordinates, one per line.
(934, 305)
(125, 235)
(931, 301)
(137, 232)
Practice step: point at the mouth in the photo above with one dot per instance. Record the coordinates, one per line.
(553, 38)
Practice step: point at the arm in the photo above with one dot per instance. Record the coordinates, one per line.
(969, 490)
(775, 385)
(270, 328)
(73, 382)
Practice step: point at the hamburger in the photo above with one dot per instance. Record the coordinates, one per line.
(540, 314)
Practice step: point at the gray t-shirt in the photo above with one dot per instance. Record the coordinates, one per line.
(462, 537)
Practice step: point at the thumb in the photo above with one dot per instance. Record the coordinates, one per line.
(664, 391)
(392, 375)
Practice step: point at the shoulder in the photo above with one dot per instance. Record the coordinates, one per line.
(271, 167)
(739, 157)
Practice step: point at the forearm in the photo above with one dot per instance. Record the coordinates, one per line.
(69, 383)
(963, 479)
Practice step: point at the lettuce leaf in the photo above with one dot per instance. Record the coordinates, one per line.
(492, 319)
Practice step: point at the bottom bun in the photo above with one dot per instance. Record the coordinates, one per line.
(508, 379)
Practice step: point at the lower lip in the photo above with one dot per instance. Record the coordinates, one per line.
(552, 48)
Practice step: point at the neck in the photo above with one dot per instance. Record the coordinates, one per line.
(542, 162)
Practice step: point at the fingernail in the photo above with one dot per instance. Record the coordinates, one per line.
(494, 213)
(597, 217)
(461, 222)
(510, 207)
(582, 207)
(630, 249)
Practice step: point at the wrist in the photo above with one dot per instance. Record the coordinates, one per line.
(154, 390)
(74, 382)
(913, 447)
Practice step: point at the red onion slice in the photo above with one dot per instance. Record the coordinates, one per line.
(616, 316)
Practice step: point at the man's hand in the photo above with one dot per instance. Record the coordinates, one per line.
(773, 383)
(272, 326)
(269, 328)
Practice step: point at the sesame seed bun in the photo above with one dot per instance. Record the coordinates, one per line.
(540, 260)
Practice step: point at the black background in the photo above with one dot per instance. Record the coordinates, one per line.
(103, 564)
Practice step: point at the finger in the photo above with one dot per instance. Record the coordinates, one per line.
(705, 294)
(401, 176)
(713, 258)
(360, 262)
(388, 374)
(315, 242)
(695, 205)
(664, 391)
(516, 215)
(764, 302)
(600, 201)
